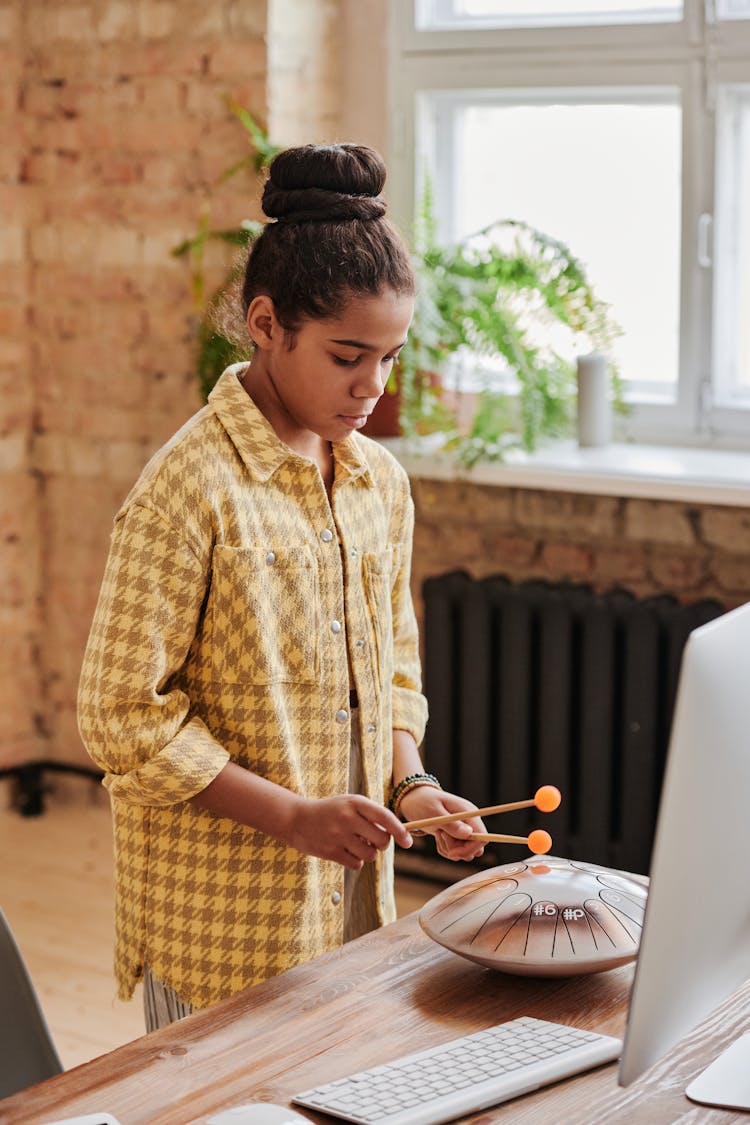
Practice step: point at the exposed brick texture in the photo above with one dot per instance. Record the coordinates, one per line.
(20, 680)
(114, 134)
(689, 550)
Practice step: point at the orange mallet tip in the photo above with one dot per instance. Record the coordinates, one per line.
(547, 798)
(539, 841)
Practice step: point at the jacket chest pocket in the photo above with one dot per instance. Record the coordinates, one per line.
(263, 611)
(376, 571)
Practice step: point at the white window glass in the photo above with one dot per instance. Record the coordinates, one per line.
(732, 249)
(547, 13)
(733, 9)
(622, 129)
(602, 176)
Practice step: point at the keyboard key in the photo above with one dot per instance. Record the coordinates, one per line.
(464, 1076)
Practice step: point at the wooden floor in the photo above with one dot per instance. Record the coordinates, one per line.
(56, 891)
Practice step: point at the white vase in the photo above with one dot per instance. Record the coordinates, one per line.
(594, 405)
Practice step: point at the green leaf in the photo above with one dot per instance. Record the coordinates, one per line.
(505, 293)
(499, 292)
(264, 149)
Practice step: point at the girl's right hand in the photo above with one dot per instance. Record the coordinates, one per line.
(349, 829)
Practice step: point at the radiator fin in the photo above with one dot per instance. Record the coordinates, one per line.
(535, 683)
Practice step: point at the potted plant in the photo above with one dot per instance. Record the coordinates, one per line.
(219, 340)
(496, 299)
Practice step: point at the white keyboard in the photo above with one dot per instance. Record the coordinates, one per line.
(463, 1076)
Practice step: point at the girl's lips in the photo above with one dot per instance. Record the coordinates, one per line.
(356, 421)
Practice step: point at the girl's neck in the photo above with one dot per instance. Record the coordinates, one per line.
(259, 385)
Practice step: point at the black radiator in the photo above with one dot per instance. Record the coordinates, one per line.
(533, 684)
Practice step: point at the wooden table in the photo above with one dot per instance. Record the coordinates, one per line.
(388, 993)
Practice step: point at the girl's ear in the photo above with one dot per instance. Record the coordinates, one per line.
(262, 324)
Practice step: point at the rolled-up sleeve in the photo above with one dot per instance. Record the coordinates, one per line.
(135, 722)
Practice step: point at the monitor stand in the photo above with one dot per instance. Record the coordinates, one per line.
(726, 1082)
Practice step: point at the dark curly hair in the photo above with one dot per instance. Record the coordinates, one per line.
(330, 240)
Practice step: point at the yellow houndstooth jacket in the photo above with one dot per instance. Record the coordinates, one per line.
(235, 600)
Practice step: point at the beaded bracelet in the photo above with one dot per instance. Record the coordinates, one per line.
(413, 781)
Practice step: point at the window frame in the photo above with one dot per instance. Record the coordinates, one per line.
(479, 23)
(693, 56)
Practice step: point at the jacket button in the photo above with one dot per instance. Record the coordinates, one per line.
(326, 535)
(335, 626)
(342, 716)
(270, 558)
(335, 898)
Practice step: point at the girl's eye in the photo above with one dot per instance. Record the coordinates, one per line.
(342, 361)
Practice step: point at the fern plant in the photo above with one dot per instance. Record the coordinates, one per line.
(218, 345)
(497, 297)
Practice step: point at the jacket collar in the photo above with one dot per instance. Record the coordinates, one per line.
(256, 441)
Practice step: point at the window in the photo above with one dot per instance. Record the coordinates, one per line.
(621, 127)
(541, 13)
(732, 249)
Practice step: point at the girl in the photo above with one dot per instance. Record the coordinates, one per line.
(251, 684)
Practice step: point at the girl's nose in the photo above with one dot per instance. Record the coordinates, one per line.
(371, 382)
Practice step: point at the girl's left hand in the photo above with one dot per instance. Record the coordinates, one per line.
(453, 840)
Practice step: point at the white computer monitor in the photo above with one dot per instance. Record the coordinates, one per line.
(695, 945)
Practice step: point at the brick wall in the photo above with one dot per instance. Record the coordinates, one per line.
(19, 510)
(115, 132)
(649, 547)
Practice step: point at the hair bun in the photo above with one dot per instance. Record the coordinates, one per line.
(315, 183)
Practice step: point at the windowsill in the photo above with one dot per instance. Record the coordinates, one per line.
(651, 471)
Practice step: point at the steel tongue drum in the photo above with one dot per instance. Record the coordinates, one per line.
(543, 916)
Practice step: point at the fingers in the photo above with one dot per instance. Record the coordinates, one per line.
(459, 830)
(385, 825)
(375, 834)
(396, 829)
(363, 849)
(456, 848)
(350, 829)
(463, 829)
(371, 831)
(359, 850)
(353, 852)
(350, 861)
(455, 841)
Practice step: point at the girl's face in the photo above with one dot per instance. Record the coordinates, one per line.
(328, 382)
